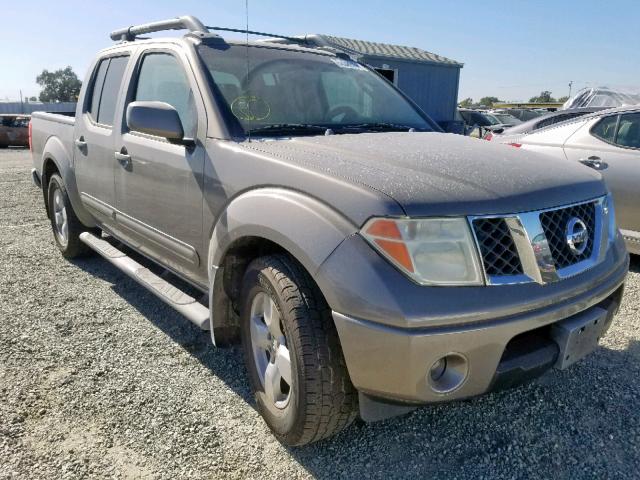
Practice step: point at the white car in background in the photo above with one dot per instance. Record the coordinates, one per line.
(608, 141)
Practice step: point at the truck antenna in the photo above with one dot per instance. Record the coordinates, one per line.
(246, 8)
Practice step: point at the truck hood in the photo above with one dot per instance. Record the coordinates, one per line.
(442, 174)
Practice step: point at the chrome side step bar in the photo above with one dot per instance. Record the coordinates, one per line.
(172, 296)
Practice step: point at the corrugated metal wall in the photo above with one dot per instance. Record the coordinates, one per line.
(433, 87)
(16, 107)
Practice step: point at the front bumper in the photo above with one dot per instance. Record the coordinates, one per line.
(392, 361)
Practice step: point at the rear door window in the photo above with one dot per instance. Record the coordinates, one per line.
(110, 90)
(96, 89)
(605, 129)
(628, 134)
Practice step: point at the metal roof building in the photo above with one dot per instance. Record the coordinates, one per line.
(29, 107)
(430, 80)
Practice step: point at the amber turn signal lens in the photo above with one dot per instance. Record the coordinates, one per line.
(385, 229)
(397, 251)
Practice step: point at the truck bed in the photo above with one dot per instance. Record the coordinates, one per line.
(51, 130)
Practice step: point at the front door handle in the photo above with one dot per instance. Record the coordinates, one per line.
(594, 162)
(80, 143)
(123, 158)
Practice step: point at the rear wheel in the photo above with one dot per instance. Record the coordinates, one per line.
(64, 222)
(293, 356)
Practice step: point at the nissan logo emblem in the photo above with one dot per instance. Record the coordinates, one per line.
(577, 236)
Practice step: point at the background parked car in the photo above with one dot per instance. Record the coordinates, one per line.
(524, 114)
(608, 141)
(505, 118)
(479, 122)
(14, 130)
(540, 122)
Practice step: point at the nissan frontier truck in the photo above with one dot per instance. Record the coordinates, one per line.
(367, 262)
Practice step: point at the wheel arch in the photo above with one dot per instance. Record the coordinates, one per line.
(57, 159)
(260, 222)
(49, 168)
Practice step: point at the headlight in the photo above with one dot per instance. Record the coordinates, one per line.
(434, 251)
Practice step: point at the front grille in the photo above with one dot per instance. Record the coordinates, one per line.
(554, 224)
(498, 250)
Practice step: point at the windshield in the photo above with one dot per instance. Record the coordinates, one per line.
(305, 93)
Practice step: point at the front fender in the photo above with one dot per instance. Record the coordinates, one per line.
(307, 228)
(54, 150)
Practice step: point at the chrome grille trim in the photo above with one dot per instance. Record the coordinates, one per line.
(532, 245)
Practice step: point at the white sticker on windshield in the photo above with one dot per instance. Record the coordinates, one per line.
(343, 63)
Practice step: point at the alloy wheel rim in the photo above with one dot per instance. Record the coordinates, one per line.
(270, 352)
(60, 217)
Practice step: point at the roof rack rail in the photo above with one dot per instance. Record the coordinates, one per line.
(261, 34)
(275, 38)
(186, 22)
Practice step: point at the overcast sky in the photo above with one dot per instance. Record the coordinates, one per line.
(511, 49)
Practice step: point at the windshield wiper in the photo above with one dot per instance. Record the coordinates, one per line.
(287, 128)
(381, 127)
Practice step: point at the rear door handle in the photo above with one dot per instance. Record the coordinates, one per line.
(594, 162)
(123, 158)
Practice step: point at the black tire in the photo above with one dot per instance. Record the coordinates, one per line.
(322, 400)
(71, 247)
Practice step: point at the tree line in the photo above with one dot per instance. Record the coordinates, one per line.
(544, 97)
(61, 85)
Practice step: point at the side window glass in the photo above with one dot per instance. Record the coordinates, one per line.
(111, 89)
(605, 129)
(162, 79)
(629, 131)
(96, 89)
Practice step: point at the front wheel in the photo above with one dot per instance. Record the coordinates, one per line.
(292, 352)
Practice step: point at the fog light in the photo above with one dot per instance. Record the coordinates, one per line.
(448, 373)
(438, 369)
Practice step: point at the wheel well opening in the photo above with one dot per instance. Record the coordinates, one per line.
(49, 168)
(238, 257)
(226, 304)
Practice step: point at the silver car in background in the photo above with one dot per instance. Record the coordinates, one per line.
(607, 141)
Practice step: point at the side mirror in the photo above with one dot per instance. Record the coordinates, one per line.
(156, 118)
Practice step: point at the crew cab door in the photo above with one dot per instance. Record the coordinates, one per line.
(611, 145)
(159, 184)
(94, 136)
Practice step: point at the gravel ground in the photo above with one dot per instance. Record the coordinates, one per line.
(100, 379)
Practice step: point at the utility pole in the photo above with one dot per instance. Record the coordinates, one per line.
(21, 104)
(570, 85)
